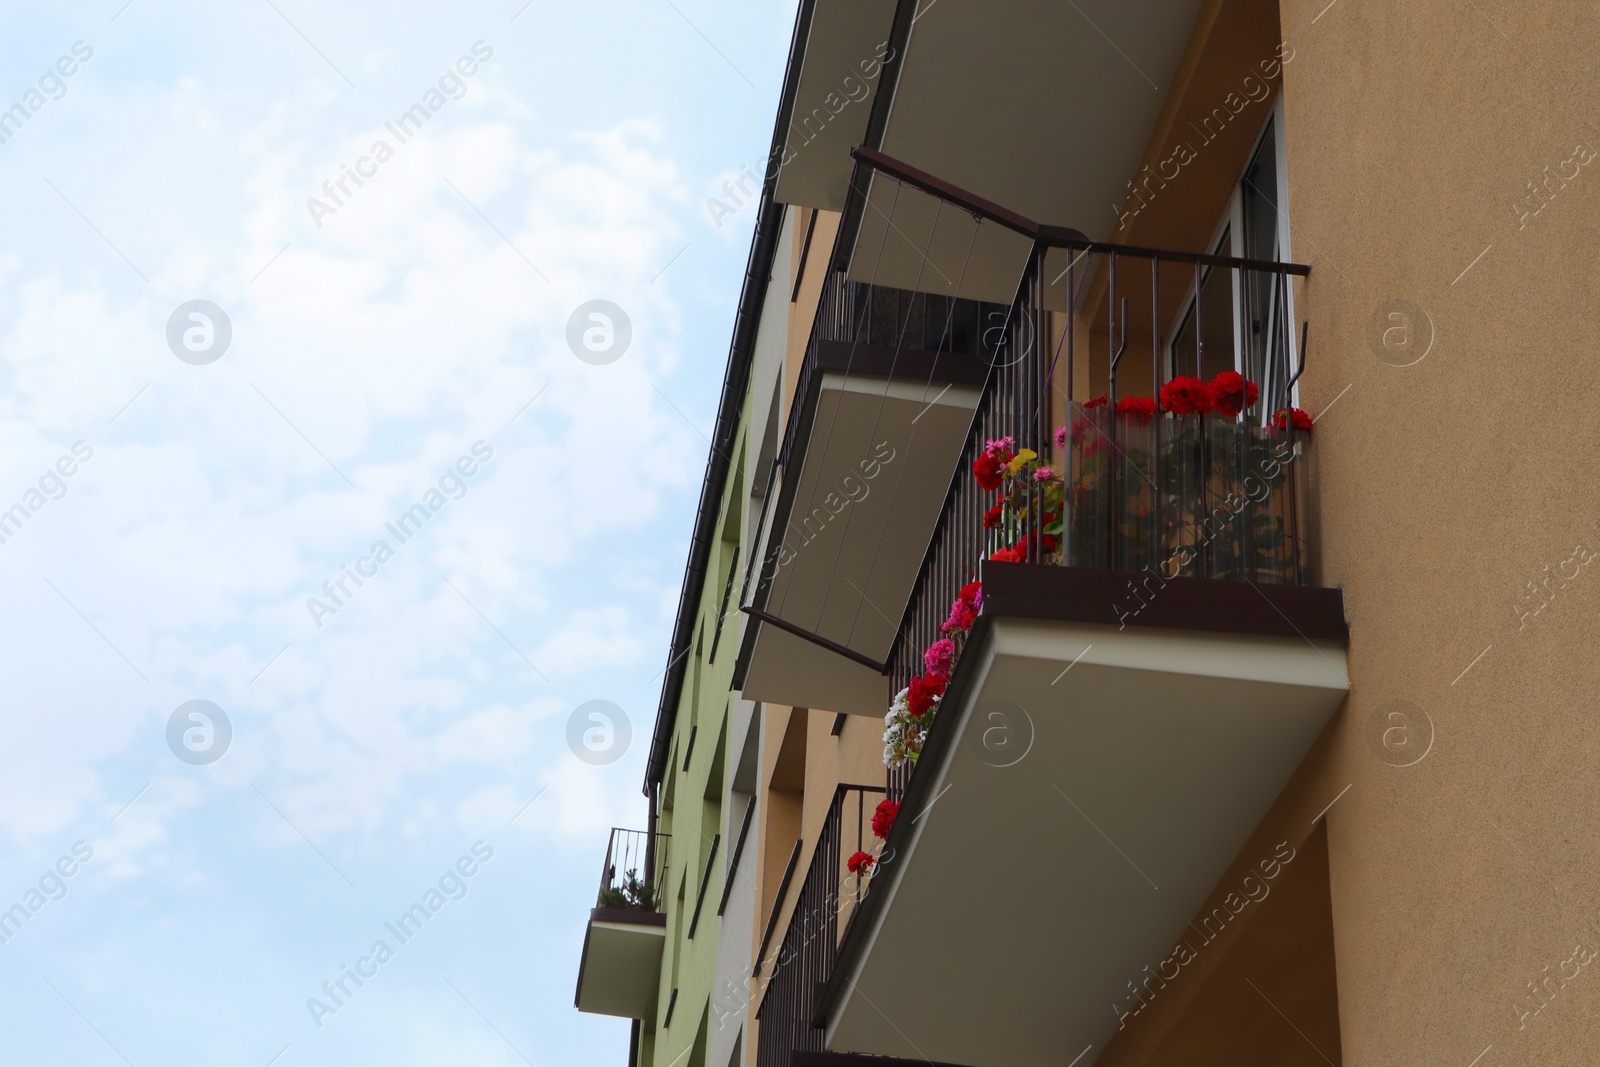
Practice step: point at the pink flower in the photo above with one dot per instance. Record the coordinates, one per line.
(964, 609)
(1061, 437)
(960, 613)
(1043, 473)
(940, 655)
(1000, 445)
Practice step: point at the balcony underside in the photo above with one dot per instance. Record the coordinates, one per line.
(967, 105)
(621, 967)
(1138, 762)
(870, 473)
(840, 73)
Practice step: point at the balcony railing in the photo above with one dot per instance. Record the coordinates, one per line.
(822, 912)
(1141, 485)
(635, 871)
(866, 317)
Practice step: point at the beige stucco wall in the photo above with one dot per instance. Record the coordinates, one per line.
(1445, 486)
(1461, 881)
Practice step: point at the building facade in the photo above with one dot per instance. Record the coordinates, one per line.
(1098, 682)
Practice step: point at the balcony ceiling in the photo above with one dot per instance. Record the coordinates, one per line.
(833, 99)
(854, 544)
(1028, 894)
(1040, 106)
(621, 966)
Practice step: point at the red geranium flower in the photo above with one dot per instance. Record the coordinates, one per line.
(923, 690)
(1097, 402)
(883, 817)
(972, 593)
(1139, 408)
(1187, 396)
(861, 861)
(1049, 542)
(1284, 416)
(989, 472)
(991, 518)
(1231, 393)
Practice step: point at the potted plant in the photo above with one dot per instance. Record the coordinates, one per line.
(634, 894)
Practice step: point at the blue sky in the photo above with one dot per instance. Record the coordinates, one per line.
(380, 751)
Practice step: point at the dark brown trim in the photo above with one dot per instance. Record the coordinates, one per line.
(738, 850)
(851, 1059)
(905, 13)
(1062, 237)
(1077, 594)
(777, 906)
(893, 362)
(938, 187)
(672, 1003)
(805, 254)
(632, 916)
(838, 724)
(722, 612)
(688, 748)
(583, 963)
(816, 639)
(705, 880)
(735, 383)
(1055, 236)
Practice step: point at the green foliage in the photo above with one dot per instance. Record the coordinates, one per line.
(634, 893)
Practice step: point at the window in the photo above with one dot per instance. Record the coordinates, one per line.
(1239, 320)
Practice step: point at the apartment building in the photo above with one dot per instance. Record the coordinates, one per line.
(1108, 425)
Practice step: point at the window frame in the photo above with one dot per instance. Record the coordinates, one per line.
(1227, 239)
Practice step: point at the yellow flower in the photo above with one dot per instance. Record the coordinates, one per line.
(1021, 460)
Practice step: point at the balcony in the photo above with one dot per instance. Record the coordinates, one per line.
(1114, 643)
(621, 966)
(882, 406)
(822, 912)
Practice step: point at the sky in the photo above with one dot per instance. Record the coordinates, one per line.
(327, 501)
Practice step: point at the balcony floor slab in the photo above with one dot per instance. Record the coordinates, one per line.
(1081, 794)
